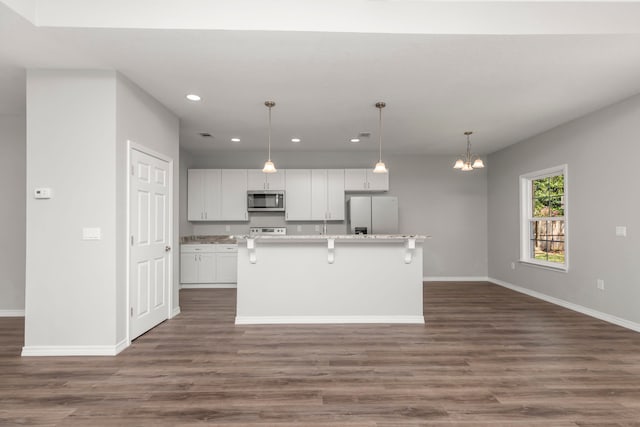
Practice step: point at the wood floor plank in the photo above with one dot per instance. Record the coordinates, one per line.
(487, 356)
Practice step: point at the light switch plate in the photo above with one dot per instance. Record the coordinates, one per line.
(91, 233)
(621, 231)
(42, 193)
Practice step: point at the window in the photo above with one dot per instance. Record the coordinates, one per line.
(543, 218)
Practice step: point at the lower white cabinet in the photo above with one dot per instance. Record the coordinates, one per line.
(208, 263)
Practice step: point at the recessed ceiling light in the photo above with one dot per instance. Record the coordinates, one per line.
(235, 139)
(295, 139)
(354, 140)
(193, 97)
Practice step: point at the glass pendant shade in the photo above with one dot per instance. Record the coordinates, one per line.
(478, 164)
(380, 168)
(459, 164)
(269, 167)
(466, 167)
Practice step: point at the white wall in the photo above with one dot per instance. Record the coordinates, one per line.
(70, 291)
(78, 125)
(602, 193)
(12, 214)
(143, 120)
(186, 228)
(433, 199)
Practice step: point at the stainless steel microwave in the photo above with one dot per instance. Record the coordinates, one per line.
(265, 201)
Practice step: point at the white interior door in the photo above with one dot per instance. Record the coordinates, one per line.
(150, 256)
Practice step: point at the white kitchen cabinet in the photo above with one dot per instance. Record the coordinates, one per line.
(197, 264)
(335, 196)
(203, 201)
(298, 194)
(208, 263)
(233, 195)
(217, 195)
(258, 180)
(327, 194)
(364, 180)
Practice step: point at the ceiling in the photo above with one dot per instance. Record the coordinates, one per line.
(504, 82)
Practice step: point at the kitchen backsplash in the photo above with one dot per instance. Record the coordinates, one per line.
(266, 219)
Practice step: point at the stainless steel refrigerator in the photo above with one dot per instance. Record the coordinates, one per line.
(373, 215)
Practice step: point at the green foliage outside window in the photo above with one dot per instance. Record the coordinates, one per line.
(548, 196)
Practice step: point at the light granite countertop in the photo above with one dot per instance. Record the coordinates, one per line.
(211, 240)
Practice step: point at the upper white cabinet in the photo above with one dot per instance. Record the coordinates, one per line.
(217, 195)
(233, 193)
(258, 180)
(327, 194)
(364, 180)
(298, 194)
(203, 201)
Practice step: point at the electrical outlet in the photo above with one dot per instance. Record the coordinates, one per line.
(513, 265)
(299, 228)
(227, 227)
(600, 284)
(317, 228)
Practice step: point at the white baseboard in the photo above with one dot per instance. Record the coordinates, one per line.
(74, 350)
(455, 279)
(11, 313)
(277, 320)
(209, 286)
(571, 306)
(175, 312)
(122, 345)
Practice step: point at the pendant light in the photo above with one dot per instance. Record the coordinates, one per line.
(269, 167)
(380, 167)
(465, 163)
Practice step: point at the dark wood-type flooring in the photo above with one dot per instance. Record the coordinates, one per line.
(487, 356)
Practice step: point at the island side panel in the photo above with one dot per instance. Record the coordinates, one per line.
(293, 282)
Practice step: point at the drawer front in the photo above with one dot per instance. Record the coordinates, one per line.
(212, 247)
(185, 249)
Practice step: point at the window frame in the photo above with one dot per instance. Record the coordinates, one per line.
(526, 217)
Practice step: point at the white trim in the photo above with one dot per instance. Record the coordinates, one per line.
(209, 286)
(74, 350)
(175, 312)
(122, 345)
(11, 313)
(273, 320)
(571, 306)
(455, 279)
(132, 145)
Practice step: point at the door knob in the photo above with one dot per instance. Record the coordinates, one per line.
(167, 248)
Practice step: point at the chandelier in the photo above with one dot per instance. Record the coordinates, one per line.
(468, 162)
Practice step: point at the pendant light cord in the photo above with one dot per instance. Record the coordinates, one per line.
(380, 133)
(269, 133)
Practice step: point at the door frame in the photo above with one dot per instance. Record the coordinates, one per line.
(131, 145)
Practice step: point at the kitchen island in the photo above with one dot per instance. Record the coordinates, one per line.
(329, 279)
